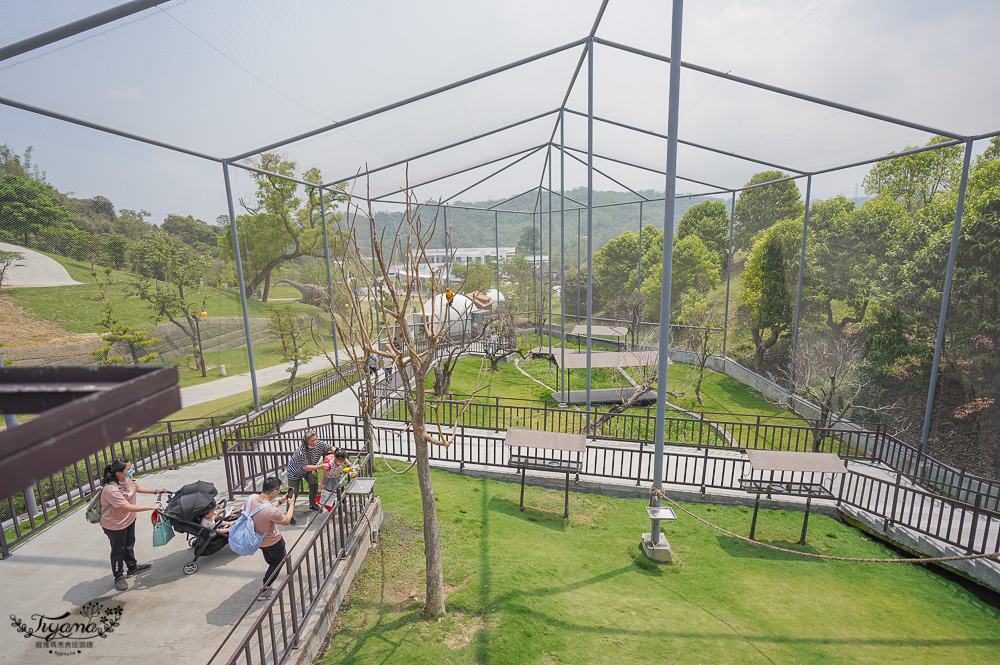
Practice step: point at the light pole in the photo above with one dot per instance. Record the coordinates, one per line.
(197, 316)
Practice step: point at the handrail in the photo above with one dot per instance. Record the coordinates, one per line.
(63, 492)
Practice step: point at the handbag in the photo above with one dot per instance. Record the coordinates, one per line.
(163, 532)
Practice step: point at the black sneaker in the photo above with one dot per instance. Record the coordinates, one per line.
(315, 508)
(120, 583)
(140, 568)
(294, 522)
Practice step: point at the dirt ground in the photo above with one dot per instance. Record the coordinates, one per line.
(19, 327)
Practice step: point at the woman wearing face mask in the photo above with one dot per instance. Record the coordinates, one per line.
(118, 508)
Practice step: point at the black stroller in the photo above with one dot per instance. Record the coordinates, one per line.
(185, 509)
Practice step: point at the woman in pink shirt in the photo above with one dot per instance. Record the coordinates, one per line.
(118, 509)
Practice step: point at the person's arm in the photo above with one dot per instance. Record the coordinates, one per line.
(145, 490)
(134, 508)
(289, 512)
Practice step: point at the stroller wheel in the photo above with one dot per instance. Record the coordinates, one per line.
(190, 568)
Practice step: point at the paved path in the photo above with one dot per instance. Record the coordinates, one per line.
(239, 383)
(35, 269)
(167, 617)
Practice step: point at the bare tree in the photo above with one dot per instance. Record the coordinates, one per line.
(700, 338)
(829, 372)
(404, 285)
(501, 339)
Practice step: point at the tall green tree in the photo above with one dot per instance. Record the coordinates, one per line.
(914, 180)
(27, 205)
(709, 220)
(760, 208)
(765, 296)
(277, 228)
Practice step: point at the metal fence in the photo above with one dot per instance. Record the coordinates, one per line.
(874, 443)
(62, 492)
(275, 631)
(974, 527)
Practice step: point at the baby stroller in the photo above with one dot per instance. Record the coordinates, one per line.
(185, 509)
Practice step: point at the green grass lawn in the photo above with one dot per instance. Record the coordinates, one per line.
(78, 308)
(583, 593)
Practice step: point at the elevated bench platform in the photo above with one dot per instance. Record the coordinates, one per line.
(545, 451)
(603, 396)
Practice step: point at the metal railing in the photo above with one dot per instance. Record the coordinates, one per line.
(972, 527)
(276, 630)
(714, 429)
(248, 460)
(64, 491)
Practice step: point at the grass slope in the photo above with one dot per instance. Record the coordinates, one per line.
(582, 592)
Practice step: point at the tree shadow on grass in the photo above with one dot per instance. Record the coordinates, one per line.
(735, 547)
(541, 517)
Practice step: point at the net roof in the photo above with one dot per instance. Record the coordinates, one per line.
(228, 78)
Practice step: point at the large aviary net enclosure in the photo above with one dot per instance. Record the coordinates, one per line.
(837, 182)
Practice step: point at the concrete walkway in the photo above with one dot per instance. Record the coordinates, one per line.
(167, 617)
(240, 383)
(35, 269)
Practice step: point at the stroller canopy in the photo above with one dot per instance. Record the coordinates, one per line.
(192, 506)
(199, 486)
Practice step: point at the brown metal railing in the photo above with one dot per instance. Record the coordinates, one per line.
(62, 492)
(772, 432)
(275, 632)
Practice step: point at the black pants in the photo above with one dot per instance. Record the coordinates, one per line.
(312, 479)
(122, 549)
(273, 554)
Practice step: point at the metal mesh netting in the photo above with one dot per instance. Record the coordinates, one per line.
(227, 79)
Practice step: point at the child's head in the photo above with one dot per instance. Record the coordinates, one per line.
(340, 456)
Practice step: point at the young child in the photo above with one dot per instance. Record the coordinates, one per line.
(333, 466)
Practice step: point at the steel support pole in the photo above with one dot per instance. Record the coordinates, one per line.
(76, 27)
(798, 290)
(668, 252)
(729, 273)
(30, 505)
(550, 249)
(329, 280)
(496, 234)
(590, 215)
(562, 256)
(956, 231)
(638, 284)
(534, 275)
(579, 263)
(239, 279)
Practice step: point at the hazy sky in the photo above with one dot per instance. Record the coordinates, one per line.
(224, 77)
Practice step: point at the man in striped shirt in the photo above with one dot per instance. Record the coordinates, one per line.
(303, 465)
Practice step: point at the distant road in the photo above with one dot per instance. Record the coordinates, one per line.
(35, 269)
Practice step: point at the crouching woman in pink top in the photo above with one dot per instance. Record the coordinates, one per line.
(118, 509)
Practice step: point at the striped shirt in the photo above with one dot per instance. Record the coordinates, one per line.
(304, 455)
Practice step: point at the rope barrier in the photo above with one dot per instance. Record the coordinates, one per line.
(661, 494)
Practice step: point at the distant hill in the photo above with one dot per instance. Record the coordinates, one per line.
(475, 228)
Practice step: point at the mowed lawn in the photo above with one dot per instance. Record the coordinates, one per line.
(533, 588)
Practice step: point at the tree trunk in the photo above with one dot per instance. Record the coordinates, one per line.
(267, 287)
(432, 541)
(295, 369)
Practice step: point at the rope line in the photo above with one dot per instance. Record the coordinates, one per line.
(385, 460)
(661, 494)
